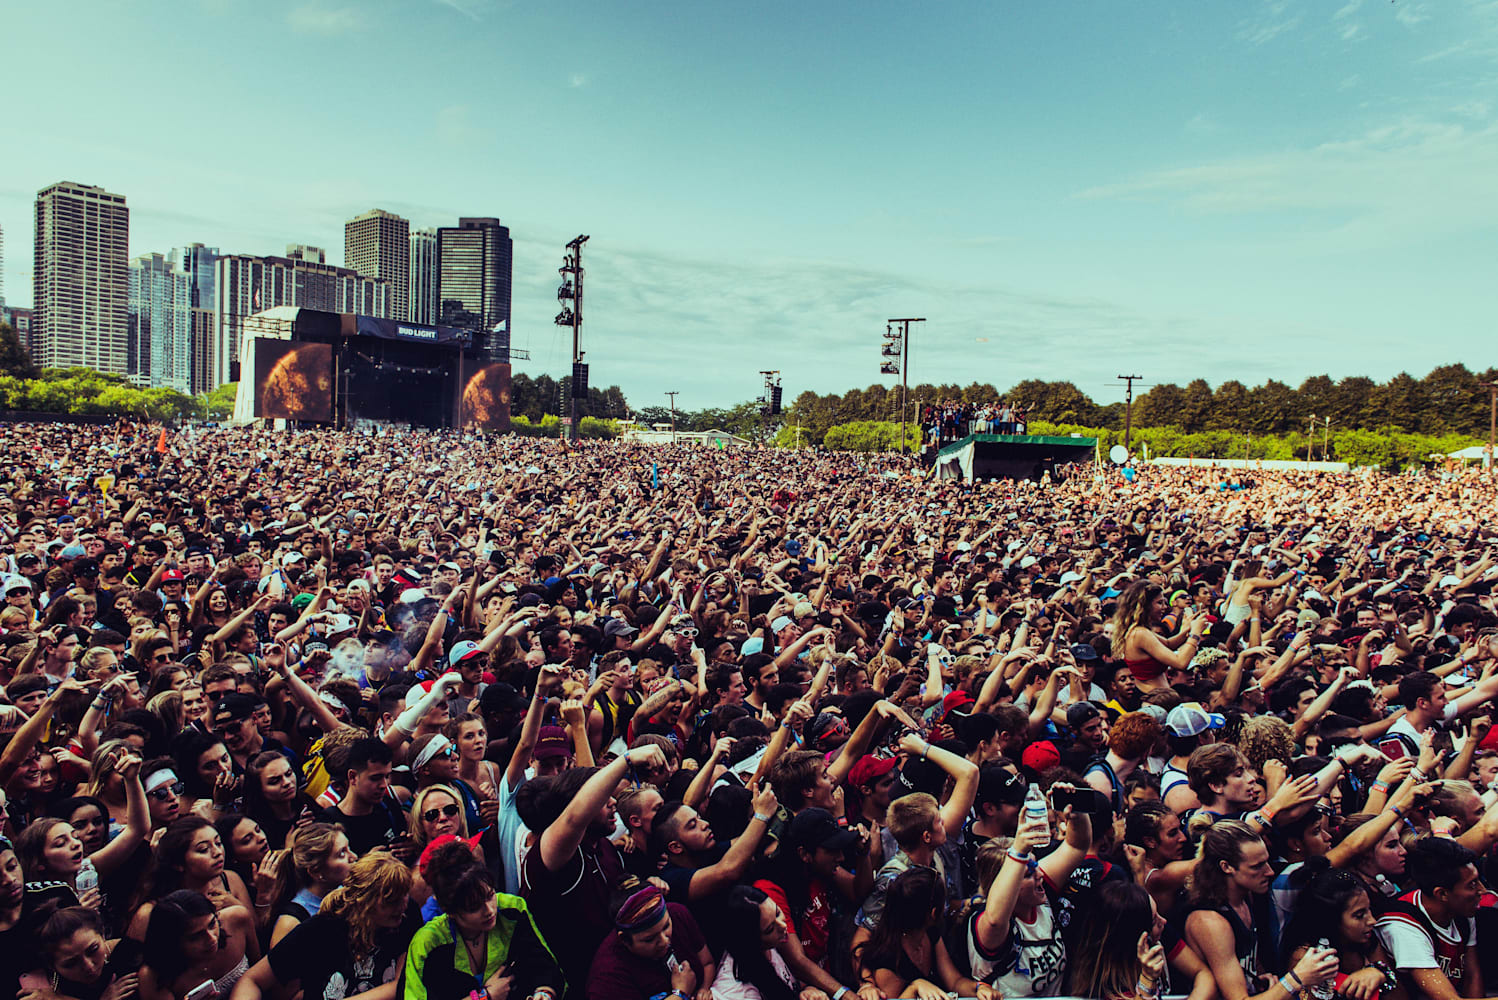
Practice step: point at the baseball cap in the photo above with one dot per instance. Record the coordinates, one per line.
(291, 557)
(780, 623)
(502, 697)
(870, 769)
(1081, 713)
(917, 775)
(172, 576)
(552, 742)
(1083, 651)
(1307, 617)
(74, 551)
(955, 701)
(618, 628)
(804, 609)
(997, 785)
(753, 644)
(16, 583)
(1040, 756)
(462, 651)
(233, 707)
(1190, 719)
(813, 828)
(300, 601)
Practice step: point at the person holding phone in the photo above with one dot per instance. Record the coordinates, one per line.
(189, 953)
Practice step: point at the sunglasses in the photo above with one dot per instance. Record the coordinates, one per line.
(166, 792)
(448, 810)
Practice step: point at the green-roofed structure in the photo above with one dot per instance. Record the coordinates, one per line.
(1009, 456)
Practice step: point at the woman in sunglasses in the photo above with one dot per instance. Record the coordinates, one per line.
(434, 761)
(437, 811)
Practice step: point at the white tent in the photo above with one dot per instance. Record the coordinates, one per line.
(1476, 453)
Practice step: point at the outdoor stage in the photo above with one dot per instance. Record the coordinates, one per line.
(1009, 456)
(342, 370)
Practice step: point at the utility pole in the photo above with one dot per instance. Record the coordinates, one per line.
(1129, 380)
(572, 288)
(905, 369)
(1326, 439)
(673, 394)
(1310, 438)
(1492, 422)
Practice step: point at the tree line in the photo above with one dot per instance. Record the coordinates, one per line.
(1450, 400)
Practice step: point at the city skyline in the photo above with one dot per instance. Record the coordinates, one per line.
(1278, 190)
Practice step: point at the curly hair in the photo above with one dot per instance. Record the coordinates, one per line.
(1265, 738)
(1134, 735)
(375, 880)
(1133, 611)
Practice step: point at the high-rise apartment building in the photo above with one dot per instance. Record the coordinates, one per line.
(246, 285)
(474, 262)
(377, 244)
(422, 302)
(159, 324)
(2, 267)
(20, 321)
(81, 278)
(199, 263)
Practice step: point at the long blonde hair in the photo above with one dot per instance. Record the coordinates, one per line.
(418, 806)
(377, 879)
(1133, 611)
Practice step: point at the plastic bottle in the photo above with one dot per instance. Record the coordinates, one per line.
(88, 877)
(1038, 816)
(1324, 991)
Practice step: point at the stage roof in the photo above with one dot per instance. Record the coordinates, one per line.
(1041, 439)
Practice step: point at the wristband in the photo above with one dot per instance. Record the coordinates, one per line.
(1023, 859)
(1397, 811)
(1380, 786)
(764, 817)
(842, 991)
(1298, 984)
(1418, 775)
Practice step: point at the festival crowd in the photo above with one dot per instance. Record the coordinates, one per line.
(436, 717)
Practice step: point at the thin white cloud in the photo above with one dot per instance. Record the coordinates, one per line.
(1270, 20)
(1202, 123)
(577, 80)
(1409, 179)
(316, 19)
(1411, 14)
(1347, 10)
(474, 10)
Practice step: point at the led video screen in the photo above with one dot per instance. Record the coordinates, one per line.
(486, 399)
(294, 381)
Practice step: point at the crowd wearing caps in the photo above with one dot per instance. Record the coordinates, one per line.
(914, 668)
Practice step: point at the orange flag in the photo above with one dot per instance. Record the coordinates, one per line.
(161, 443)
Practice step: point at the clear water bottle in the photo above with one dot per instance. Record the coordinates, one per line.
(1323, 991)
(88, 877)
(1038, 816)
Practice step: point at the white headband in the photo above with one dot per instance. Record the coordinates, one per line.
(165, 776)
(438, 744)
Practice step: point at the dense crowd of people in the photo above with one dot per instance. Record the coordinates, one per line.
(438, 717)
(951, 419)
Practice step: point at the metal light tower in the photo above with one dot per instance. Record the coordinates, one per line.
(571, 290)
(673, 394)
(899, 346)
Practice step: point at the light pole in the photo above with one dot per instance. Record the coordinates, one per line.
(904, 337)
(572, 288)
(1310, 438)
(1492, 422)
(673, 394)
(1326, 439)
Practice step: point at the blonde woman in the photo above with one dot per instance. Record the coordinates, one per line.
(1149, 656)
(353, 945)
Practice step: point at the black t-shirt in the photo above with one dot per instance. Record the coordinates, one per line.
(317, 953)
(379, 829)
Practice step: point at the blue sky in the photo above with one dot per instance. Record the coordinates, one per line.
(1065, 190)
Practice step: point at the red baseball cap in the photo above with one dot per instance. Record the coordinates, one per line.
(870, 769)
(1040, 756)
